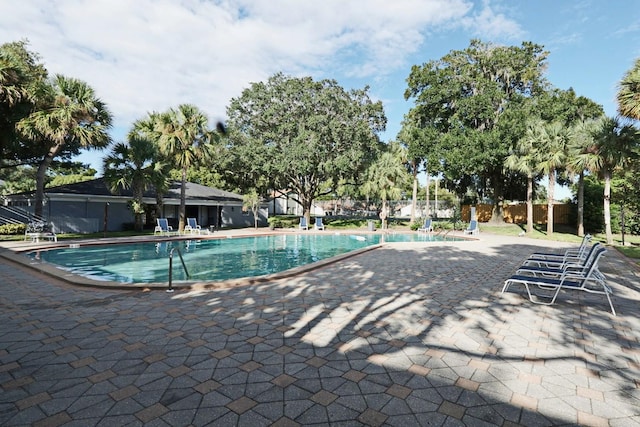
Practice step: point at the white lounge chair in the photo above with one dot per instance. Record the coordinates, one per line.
(192, 226)
(318, 225)
(588, 280)
(473, 228)
(163, 227)
(426, 227)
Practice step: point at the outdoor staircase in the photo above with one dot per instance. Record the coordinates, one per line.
(16, 215)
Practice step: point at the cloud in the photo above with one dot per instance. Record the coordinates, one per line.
(149, 55)
(487, 23)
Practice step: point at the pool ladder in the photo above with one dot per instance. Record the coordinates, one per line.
(184, 266)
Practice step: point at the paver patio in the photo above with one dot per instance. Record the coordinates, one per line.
(407, 334)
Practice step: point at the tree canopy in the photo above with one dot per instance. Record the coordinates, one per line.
(472, 98)
(303, 135)
(22, 81)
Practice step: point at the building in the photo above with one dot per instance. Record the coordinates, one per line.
(89, 207)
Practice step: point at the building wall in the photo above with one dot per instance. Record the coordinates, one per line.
(88, 217)
(234, 217)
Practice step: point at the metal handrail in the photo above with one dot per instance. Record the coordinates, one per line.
(184, 266)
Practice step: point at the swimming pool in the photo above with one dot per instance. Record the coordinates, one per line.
(211, 259)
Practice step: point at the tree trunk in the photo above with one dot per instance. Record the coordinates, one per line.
(306, 209)
(552, 186)
(497, 213)
(529, 204)
(183, 200)
(159, 204)
(138, 193)
(428, 207)
(41, 176)
(414, 194)
(581, 204)
(255, 209)
(607, 206)
(383, 214)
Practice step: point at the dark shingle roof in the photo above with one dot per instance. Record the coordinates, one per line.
(98, 187)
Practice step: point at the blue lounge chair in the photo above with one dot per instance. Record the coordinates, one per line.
(426, 227)
(572, 257)
(554, 269)
(163, 227)
(192, 226)
(319, 225)
(571, 254)
(589, 279)
(303, 223)
(473, 228)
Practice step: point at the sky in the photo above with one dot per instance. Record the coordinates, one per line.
(151, 55)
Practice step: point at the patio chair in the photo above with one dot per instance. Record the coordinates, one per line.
(39, 230)
(192, 226)
(319, 225)
(163, 227)
(426, 227)
(589, 280)
(473, 228)
(570, 254)
(579, 257)
(303, 223)
(549, 268)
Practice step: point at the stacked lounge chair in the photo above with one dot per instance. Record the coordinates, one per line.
(551, 275)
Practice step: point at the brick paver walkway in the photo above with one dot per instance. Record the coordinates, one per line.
(408, 334)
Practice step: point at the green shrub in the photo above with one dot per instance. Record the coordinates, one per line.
(274, 222)
(12, 229)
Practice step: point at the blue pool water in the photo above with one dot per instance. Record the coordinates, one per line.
(211, 259)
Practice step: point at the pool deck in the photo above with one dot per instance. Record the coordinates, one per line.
(406, 334)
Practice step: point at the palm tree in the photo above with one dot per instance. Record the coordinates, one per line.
(186, 141)
(551, 155)
(386, 178)
(628, 95)
(132, 166)
(524, 160)
(22, 79)
(159, 175)
(72, 117)
(614, 146)
(581, 158)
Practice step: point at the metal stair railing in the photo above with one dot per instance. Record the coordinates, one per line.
(20, 215)
(184, 266)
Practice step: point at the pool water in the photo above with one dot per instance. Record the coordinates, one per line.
(211, 259)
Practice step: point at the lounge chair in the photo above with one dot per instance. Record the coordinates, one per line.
(588, 280)
(319, 225)
(473, 228)
(426, 227)
(163, 227)
(579, 257)
(192, 226)
(303, 223)
(554, 269)
(569, 254)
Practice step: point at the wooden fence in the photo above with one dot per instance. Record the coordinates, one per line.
(517, 214)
